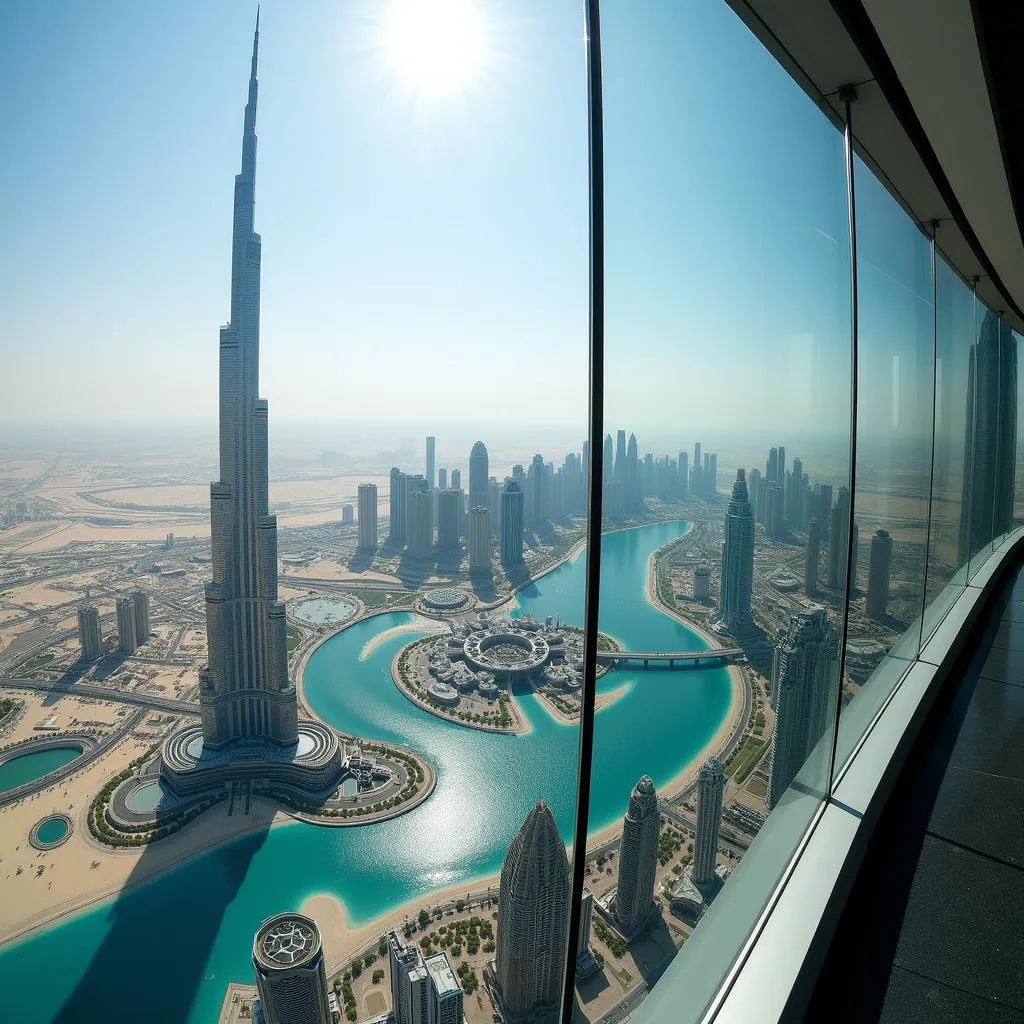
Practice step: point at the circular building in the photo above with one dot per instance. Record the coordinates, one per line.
(288, 957)
(445, 599)
(443, 694)
(504, 648)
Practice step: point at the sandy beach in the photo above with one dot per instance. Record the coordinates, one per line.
(420, 624)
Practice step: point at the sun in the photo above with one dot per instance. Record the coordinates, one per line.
(436, 47)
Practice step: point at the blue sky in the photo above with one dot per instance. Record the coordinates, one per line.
(424, 260)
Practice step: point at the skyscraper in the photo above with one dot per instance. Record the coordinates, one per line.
(140, 603)
(772, 467)
(126, 637)
(397, 500)
(986, 504)
(586, 916)
(442, 479)
(804, 673)
(410, 982)
(423, 991)
(419, 518)
(456, 480)
(535, 490)
(811, 558)
(634, 496)
(448, 520)
(244, 690)
(839, 538)
(737, 557)
(478, 475)
(533, 916)
(878, 575)
(90, 636)
(620, 456)
(288, 958)
(479, 539)
(609, 462)
(684, 474)
(246, 700)
(710, 788)
(446, 996)
(638, 857)
(512, 513)
(367, 500)
(430, 463)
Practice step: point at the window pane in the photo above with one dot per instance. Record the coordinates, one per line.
(421, 337)
(949, 522)
(894, 453)
(727, 398)
(1018, 493)
(994, 375)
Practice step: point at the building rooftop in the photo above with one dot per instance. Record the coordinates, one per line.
(442, 974)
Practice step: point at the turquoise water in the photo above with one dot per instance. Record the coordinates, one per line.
(29, 767)
(149, 797)
(172, 945)
(52, 830)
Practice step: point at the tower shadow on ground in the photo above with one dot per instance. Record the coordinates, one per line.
(153, 958)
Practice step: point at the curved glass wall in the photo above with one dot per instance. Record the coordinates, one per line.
(993, 385)
(727, 412)
(889, 530)
(949, 521)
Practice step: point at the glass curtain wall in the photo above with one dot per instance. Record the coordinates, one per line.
(950, 502)
(993, 385)
(727, 412)
(889, 528)
(1018, 490)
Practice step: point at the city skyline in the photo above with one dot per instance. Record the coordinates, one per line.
(326, 62)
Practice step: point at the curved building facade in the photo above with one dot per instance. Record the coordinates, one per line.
(710, 789)
(288, 958)
(478, 475)
(638, 857)
(533, 917)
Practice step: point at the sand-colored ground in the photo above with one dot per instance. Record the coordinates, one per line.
(418, 625)
(80, 872)
(322, 569)
(70, 711)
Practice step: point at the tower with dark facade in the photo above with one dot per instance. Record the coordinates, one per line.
(737, 557)
(533, 917)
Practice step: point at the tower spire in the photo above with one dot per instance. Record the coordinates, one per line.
(256, 42)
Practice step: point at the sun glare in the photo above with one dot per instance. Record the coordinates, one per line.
(435, 46)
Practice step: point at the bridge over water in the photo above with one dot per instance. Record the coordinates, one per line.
(674, 659)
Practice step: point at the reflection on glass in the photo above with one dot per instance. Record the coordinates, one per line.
(894, 454)
(947, 556)
(992, 387)
(727, 400)
(1018, 492)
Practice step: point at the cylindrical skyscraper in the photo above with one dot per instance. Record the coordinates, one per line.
(288, 957)
(367, 517)
(737, 557)
(638, 857)
(533, 916)
(397, 503)
(477, 475)
(710, 787)
(126, 638)
(512, 513)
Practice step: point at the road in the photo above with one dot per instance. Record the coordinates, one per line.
(142, 700)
